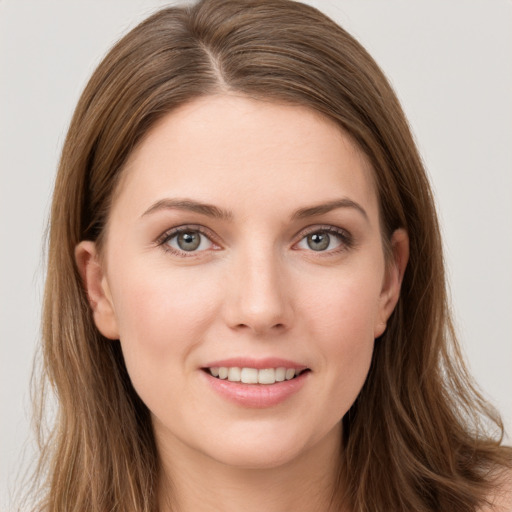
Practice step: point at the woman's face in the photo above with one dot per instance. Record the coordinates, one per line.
(244, 241)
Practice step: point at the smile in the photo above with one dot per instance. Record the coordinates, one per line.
(258, 388)
(254, 375)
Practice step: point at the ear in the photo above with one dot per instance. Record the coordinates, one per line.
(395, 269)
(96, 286)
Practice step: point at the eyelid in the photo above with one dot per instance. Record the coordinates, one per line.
(345, 236)
(162, 239)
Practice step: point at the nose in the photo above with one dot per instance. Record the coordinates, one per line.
(258, 296)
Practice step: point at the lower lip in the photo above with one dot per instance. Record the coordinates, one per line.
(257, 396)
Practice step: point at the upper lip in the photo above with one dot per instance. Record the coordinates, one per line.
(259, 364)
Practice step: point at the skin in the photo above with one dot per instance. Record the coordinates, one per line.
(254, 288)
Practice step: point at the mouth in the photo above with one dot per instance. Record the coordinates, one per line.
(248, 375)
(256, 383)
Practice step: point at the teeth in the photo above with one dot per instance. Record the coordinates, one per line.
(249, 375)
(253, 375)
(267, 376)
(234, 375)
(290, 373)
(280, 374)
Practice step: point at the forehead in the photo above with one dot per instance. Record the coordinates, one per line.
(238, 151)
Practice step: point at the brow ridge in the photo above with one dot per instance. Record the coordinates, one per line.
(219, 213)
(321, 209)
(189, 205)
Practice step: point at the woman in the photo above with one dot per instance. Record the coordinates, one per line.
(245, 303)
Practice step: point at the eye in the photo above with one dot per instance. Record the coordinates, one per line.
(325, 240)
(186, 240)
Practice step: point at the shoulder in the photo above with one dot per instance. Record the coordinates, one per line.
(500, 498)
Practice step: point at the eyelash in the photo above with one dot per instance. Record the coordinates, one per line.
(345, 237)
(163, 240)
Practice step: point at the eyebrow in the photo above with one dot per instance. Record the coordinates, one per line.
(324, 208)
(191, 206)
(218, 213)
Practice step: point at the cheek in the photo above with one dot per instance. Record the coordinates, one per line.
(348, 329)
(343, 308)
(342, 325)
(161, 317)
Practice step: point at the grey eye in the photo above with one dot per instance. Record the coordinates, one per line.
(323, 240)
(318, 241)
(189, 241)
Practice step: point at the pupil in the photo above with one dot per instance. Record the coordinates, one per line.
(318, 241)
(188, 241)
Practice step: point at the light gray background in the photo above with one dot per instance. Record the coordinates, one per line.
(451, 65)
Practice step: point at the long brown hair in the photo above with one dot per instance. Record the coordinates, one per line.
(419, 436)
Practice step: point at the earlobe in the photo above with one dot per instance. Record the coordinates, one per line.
(395, 270)
(97, 288)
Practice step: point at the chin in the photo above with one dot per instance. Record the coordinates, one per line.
(256, 457)
(267, 448)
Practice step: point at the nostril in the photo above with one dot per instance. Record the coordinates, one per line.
(262, 328)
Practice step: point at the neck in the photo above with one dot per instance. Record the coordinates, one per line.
(201, 484)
